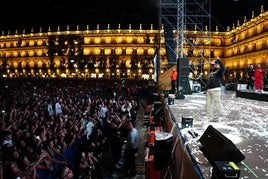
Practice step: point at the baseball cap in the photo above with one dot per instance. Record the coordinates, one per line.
(214, 62)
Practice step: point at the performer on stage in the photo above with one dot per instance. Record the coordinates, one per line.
(173, 78)
(258, 76)
(250, 76)
(214, 88)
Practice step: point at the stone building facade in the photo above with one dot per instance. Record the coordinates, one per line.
(129, 53)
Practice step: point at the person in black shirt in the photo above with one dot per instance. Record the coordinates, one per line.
(213, 90)
(250, 77)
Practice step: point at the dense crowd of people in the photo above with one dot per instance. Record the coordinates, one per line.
(59, 128)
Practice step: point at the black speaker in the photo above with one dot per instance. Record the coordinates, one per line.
(162, 150)
(169, 43)
(184, 85)
(186, 122)
(156, 97)
(158, 109)
(151, 90)
(183, 75)
(183, 67)
(217, 147)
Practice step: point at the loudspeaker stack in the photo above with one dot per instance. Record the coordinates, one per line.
(162, 150)
(183, 74)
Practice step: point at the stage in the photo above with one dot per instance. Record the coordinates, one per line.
(245, 125)
(252, 95)
(243, 92)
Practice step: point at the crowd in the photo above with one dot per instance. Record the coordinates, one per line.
(59, 128)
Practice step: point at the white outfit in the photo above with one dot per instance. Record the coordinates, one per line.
(214, 96)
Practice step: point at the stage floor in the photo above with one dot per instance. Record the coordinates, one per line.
(246, 125)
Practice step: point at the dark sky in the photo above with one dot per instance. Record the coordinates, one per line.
(226, 12)
(27, 14)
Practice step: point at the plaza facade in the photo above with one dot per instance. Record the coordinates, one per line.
(129, 53)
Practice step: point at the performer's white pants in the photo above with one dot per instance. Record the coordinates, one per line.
(214, 102)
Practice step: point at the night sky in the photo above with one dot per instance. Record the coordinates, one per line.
(28, 14)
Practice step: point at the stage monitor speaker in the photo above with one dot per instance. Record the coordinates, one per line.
(225, 170)
(162, 150)
(217, 147)
(184, 85)
(186, 122)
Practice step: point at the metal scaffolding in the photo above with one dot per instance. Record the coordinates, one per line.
(185, 17)
(183, 22)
